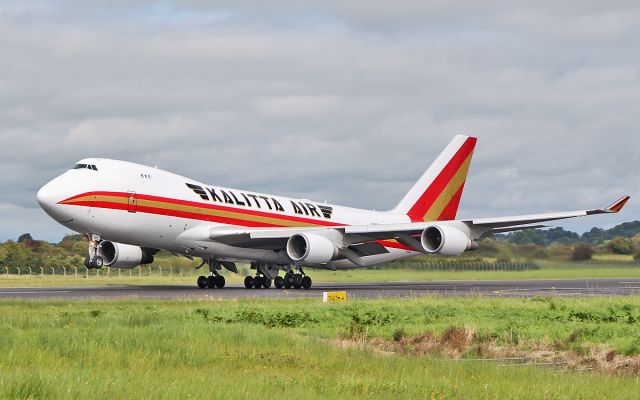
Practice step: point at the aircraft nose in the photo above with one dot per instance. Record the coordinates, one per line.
(47, 197)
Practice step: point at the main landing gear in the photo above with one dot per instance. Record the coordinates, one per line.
(257, 282)
(215, 280)
(266, 275)
(297, 281)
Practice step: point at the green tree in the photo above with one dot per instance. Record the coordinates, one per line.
(620, 245)
(24, 237)
(15, 256)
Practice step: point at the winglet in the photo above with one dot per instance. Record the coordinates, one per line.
(617, 205)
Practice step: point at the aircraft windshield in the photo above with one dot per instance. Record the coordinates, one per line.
(86, 166)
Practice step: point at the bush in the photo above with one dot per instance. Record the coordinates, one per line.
(582, 252)
(636, 256)
(398, 334)
(620, 245)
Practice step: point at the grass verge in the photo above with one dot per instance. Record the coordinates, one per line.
(256, 348)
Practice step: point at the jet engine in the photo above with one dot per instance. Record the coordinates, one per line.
(118, 255)
(446, 240)
(311, 248)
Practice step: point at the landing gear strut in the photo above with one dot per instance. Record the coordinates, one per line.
(215, 280)
(93, 260)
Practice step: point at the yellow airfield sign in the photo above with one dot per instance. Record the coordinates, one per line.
(330, 297)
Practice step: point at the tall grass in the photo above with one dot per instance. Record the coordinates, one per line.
(271, 348)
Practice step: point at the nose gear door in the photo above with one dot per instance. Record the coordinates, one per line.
(132, 202)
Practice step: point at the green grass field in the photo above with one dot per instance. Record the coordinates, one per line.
(296, 348)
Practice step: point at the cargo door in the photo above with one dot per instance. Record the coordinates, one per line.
(132, 202)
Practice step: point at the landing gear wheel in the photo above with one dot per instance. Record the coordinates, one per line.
(99, 262)
(258, 281)
(266, 282)
(248, 282)
(297, 281)
(219, 281)
(279, 282)
(288, 281)
(87, 262)
(211, 282)
(202, 282)
(306, 282)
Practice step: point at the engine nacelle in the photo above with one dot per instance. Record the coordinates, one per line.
(446, 240)
(311, 248)
(118, 255)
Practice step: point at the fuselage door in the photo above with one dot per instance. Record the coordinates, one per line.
(132, 202)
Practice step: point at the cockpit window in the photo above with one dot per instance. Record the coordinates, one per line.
(86, 166)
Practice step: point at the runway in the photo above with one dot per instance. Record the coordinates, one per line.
(514, 288)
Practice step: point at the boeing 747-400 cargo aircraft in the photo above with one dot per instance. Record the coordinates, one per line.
(129, 212)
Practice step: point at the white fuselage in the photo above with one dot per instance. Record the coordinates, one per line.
(147, 207)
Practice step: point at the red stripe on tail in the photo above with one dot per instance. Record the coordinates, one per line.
(426, 200)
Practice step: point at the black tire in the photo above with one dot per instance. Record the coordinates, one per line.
(87, 262)
(288, 281)
(99, 262)
(266, 282)
(306, 282)
(258, 281)
(279, 282)
(297, 281)
(211, 282)
(248, 282)
(202, 282)
(220, 281)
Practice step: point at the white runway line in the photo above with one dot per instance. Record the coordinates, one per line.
(34, 291)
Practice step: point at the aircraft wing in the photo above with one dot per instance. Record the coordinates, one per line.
(276, 238)
(482, 226)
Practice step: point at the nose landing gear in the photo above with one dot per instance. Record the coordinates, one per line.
(93, 260)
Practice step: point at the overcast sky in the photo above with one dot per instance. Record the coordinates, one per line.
(343, 101)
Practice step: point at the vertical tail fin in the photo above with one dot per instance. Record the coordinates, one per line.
(436, 195)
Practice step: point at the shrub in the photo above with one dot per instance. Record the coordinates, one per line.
(455, 337)
(620, 245)
(582, 252)
(398, 334)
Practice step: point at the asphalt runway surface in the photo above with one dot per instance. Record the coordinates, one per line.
(514, 288)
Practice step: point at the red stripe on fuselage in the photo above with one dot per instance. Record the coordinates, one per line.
(169, 200)
(206, 217)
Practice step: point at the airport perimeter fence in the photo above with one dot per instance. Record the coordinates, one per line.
(464, 266)
(77, 272)
(158, 271)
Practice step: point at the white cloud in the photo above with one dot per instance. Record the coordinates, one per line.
(334, 101)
